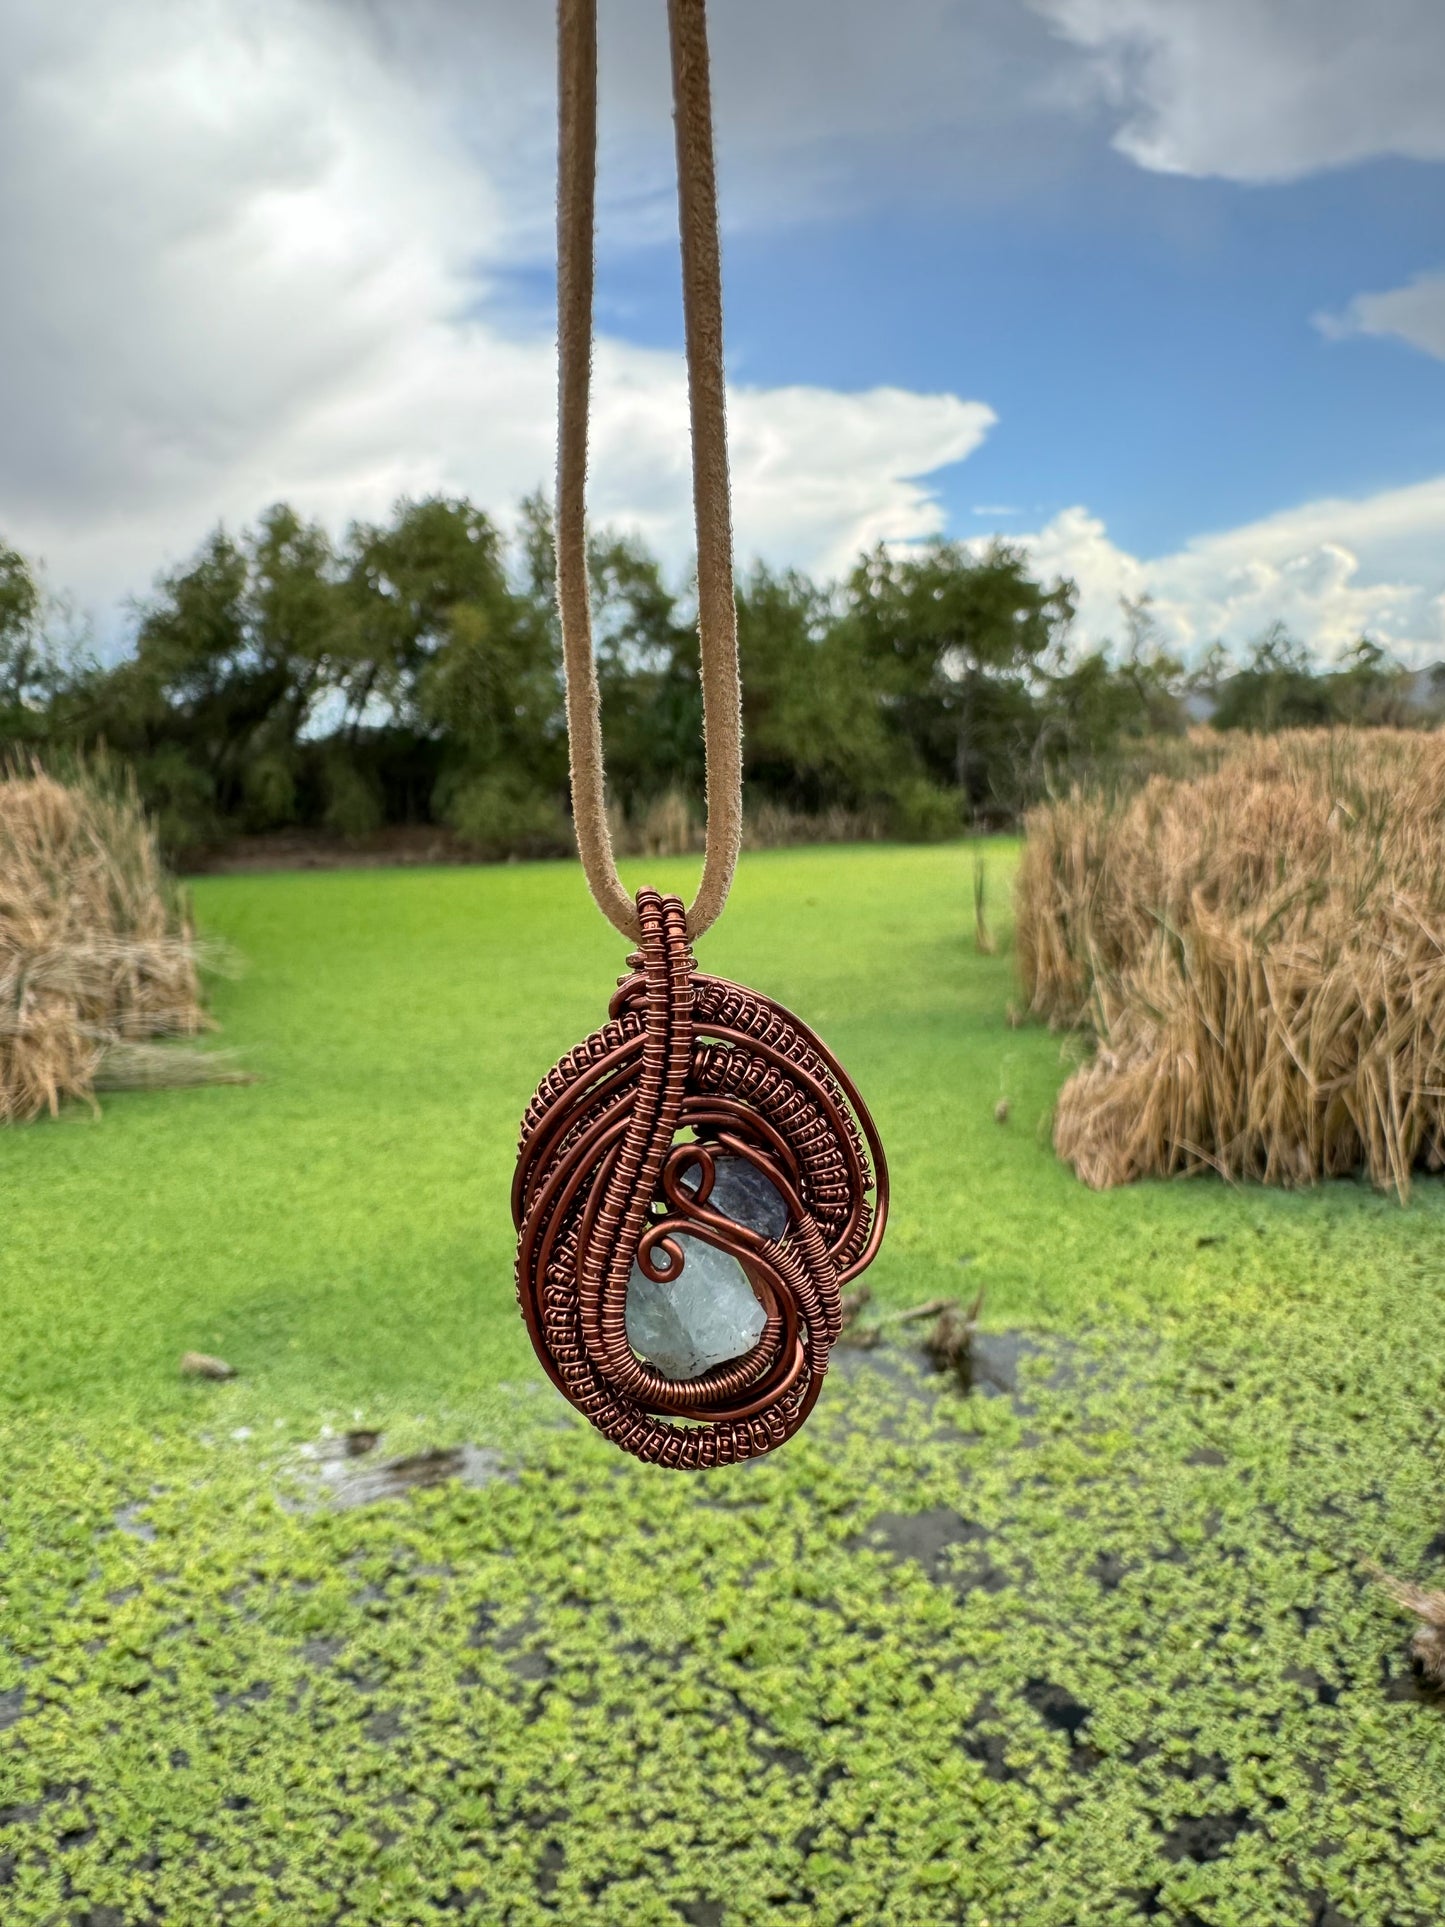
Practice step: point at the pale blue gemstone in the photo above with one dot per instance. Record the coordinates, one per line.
(703, 1317)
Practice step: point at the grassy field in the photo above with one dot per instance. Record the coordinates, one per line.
(339, 1230)
(1100, 1654)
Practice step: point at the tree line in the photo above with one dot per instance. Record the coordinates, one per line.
(410, 672)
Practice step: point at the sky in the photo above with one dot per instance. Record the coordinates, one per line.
(1155, 288)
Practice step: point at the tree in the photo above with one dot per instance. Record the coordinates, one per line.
(36, 667)
(955, 643)
(235, 654)
(647, 672)
(1205, 681)
(1370, 687)
(21, 678)
(455, 669)
(404, 583)
(1155, 678)
(1278, 688)
(1093, 706)
(814, 731)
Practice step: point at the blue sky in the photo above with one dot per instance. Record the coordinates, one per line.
(1156, 287)
(1147, 340)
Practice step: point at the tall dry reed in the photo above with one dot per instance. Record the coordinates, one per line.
(97, 953)
(1259, 952)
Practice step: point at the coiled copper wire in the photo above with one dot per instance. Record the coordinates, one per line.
(617, 1156)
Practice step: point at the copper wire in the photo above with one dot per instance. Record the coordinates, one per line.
(689, 1068)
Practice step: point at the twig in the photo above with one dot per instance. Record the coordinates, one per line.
(929, 1310)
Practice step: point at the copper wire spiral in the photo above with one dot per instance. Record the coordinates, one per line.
(617, 1157)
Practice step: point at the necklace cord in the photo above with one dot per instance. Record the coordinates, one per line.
(702, 313)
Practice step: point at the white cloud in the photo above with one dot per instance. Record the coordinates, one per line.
(248, 259)
(1263, 90)
(256, 252)
(1076, 544)
(1414, 313)
(1331, 570)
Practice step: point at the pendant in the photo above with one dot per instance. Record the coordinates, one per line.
(697, 1182)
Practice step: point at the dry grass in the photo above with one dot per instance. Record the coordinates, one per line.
(673, 825)
(1427, 1646)
(1260, 952)
(97, 954)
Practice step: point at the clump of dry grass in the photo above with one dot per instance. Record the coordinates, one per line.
(772, 826)
(97, 953)
(1260, 952)
(1427, 1645)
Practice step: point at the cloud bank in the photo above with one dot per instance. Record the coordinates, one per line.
(1263, 90)
(259, 251)
(1330, 570)
(246, 261)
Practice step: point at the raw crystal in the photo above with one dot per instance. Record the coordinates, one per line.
(742, 1193)
(706, 1315)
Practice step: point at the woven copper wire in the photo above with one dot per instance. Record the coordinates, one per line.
(617, 1157)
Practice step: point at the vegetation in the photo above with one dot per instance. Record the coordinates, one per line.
(410, 674)
(1260, 952)
(97, 953)
(1095, 1658)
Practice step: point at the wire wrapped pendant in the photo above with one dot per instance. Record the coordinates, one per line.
(705, 1131)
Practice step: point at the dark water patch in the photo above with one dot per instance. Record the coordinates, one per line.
(1108, 1570)
(530, 1665)
(343, 1472)
(794, 1763)
(1411, 1682)
(1324, 1913)
(553, 1860)
(990, 1750)
(256, 1694)
(1056, 1706)
(1315, 1684)
(1198, 1767)
(1205, 1836)
(470, 1464)
(928, 1538)
(997, 1362)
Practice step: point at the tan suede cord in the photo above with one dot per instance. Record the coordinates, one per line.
(702, 309)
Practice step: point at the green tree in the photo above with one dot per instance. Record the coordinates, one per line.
(23, 679)
(472, 661)
(955, 642)
(405, 580)
(814, 731)
(1371, 688)
(1093, 706)
(1279, 687)
(38, 668)
(647, 672)
(235, 655)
